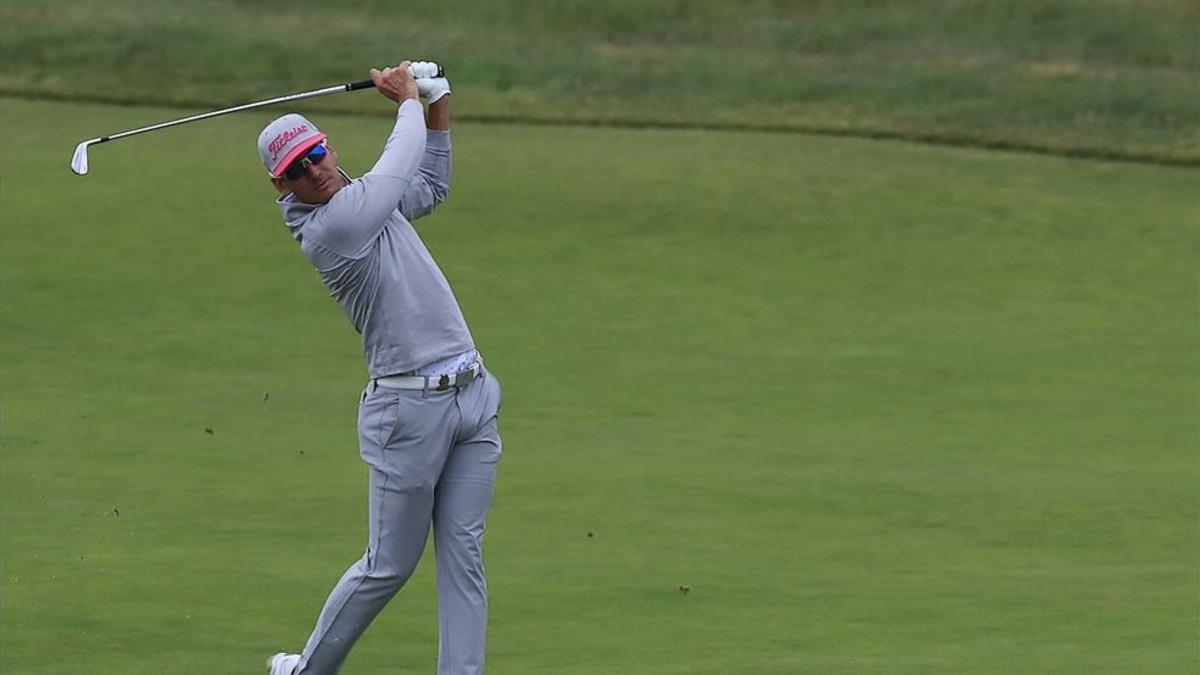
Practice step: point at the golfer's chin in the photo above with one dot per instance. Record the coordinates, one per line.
(327, 189)
(321, 191)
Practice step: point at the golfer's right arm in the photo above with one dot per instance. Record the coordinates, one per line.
(359, 211)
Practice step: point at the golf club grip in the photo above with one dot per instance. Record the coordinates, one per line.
(367, 84)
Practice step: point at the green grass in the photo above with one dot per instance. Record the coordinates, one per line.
(1097, 77)
(885, 407)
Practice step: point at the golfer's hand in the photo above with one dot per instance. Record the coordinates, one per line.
(395, 83)
(433, 88)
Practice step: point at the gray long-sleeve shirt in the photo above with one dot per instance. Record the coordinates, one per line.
(371, 259)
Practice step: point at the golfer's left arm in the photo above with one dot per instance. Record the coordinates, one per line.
(431, 183)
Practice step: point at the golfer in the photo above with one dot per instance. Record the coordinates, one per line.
(427, 419)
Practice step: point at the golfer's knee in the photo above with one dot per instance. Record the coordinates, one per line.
(391, 568)
(462, 547)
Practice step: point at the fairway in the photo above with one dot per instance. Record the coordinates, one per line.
(883, 407)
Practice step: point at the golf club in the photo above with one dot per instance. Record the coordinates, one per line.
(79, 161)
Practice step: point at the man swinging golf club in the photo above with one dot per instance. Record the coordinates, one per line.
(427, 420)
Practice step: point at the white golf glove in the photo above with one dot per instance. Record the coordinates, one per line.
(430, 86)
(423, 69)
(433, 88)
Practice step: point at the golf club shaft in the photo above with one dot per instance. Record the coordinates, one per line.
(335, 89)
(79, 161)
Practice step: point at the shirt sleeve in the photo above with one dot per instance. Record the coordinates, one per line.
(358, 212)
(431, 184)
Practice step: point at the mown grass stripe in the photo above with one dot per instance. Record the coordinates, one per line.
(931, 138)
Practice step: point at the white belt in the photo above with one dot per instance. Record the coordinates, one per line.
(431, 382)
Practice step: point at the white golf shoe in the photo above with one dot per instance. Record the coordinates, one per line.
(282, 664)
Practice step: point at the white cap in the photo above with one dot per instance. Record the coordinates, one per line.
(285, 140)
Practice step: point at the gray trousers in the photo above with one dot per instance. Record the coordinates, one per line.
(432, 458)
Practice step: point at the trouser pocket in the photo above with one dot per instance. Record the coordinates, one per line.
(378, 417)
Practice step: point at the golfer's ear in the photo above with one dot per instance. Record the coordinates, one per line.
(280, 185)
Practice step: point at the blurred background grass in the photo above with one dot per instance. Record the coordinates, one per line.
(1101, 78)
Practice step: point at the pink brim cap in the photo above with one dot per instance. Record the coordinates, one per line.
(294, 154)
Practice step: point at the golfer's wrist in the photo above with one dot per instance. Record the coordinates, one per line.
(437, 118)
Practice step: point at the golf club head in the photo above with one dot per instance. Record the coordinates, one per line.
(79, 162)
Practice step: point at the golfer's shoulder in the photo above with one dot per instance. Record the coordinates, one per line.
(330, 249)
(348, 225)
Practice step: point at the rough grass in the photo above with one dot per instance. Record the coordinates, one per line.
(1105, 78)
(884, 407)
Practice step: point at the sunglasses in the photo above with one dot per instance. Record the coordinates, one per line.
(298, 168)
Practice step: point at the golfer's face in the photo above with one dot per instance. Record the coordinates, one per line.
(319, 181)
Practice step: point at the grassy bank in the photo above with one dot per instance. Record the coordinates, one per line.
(884, 407)
(1105, 78)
